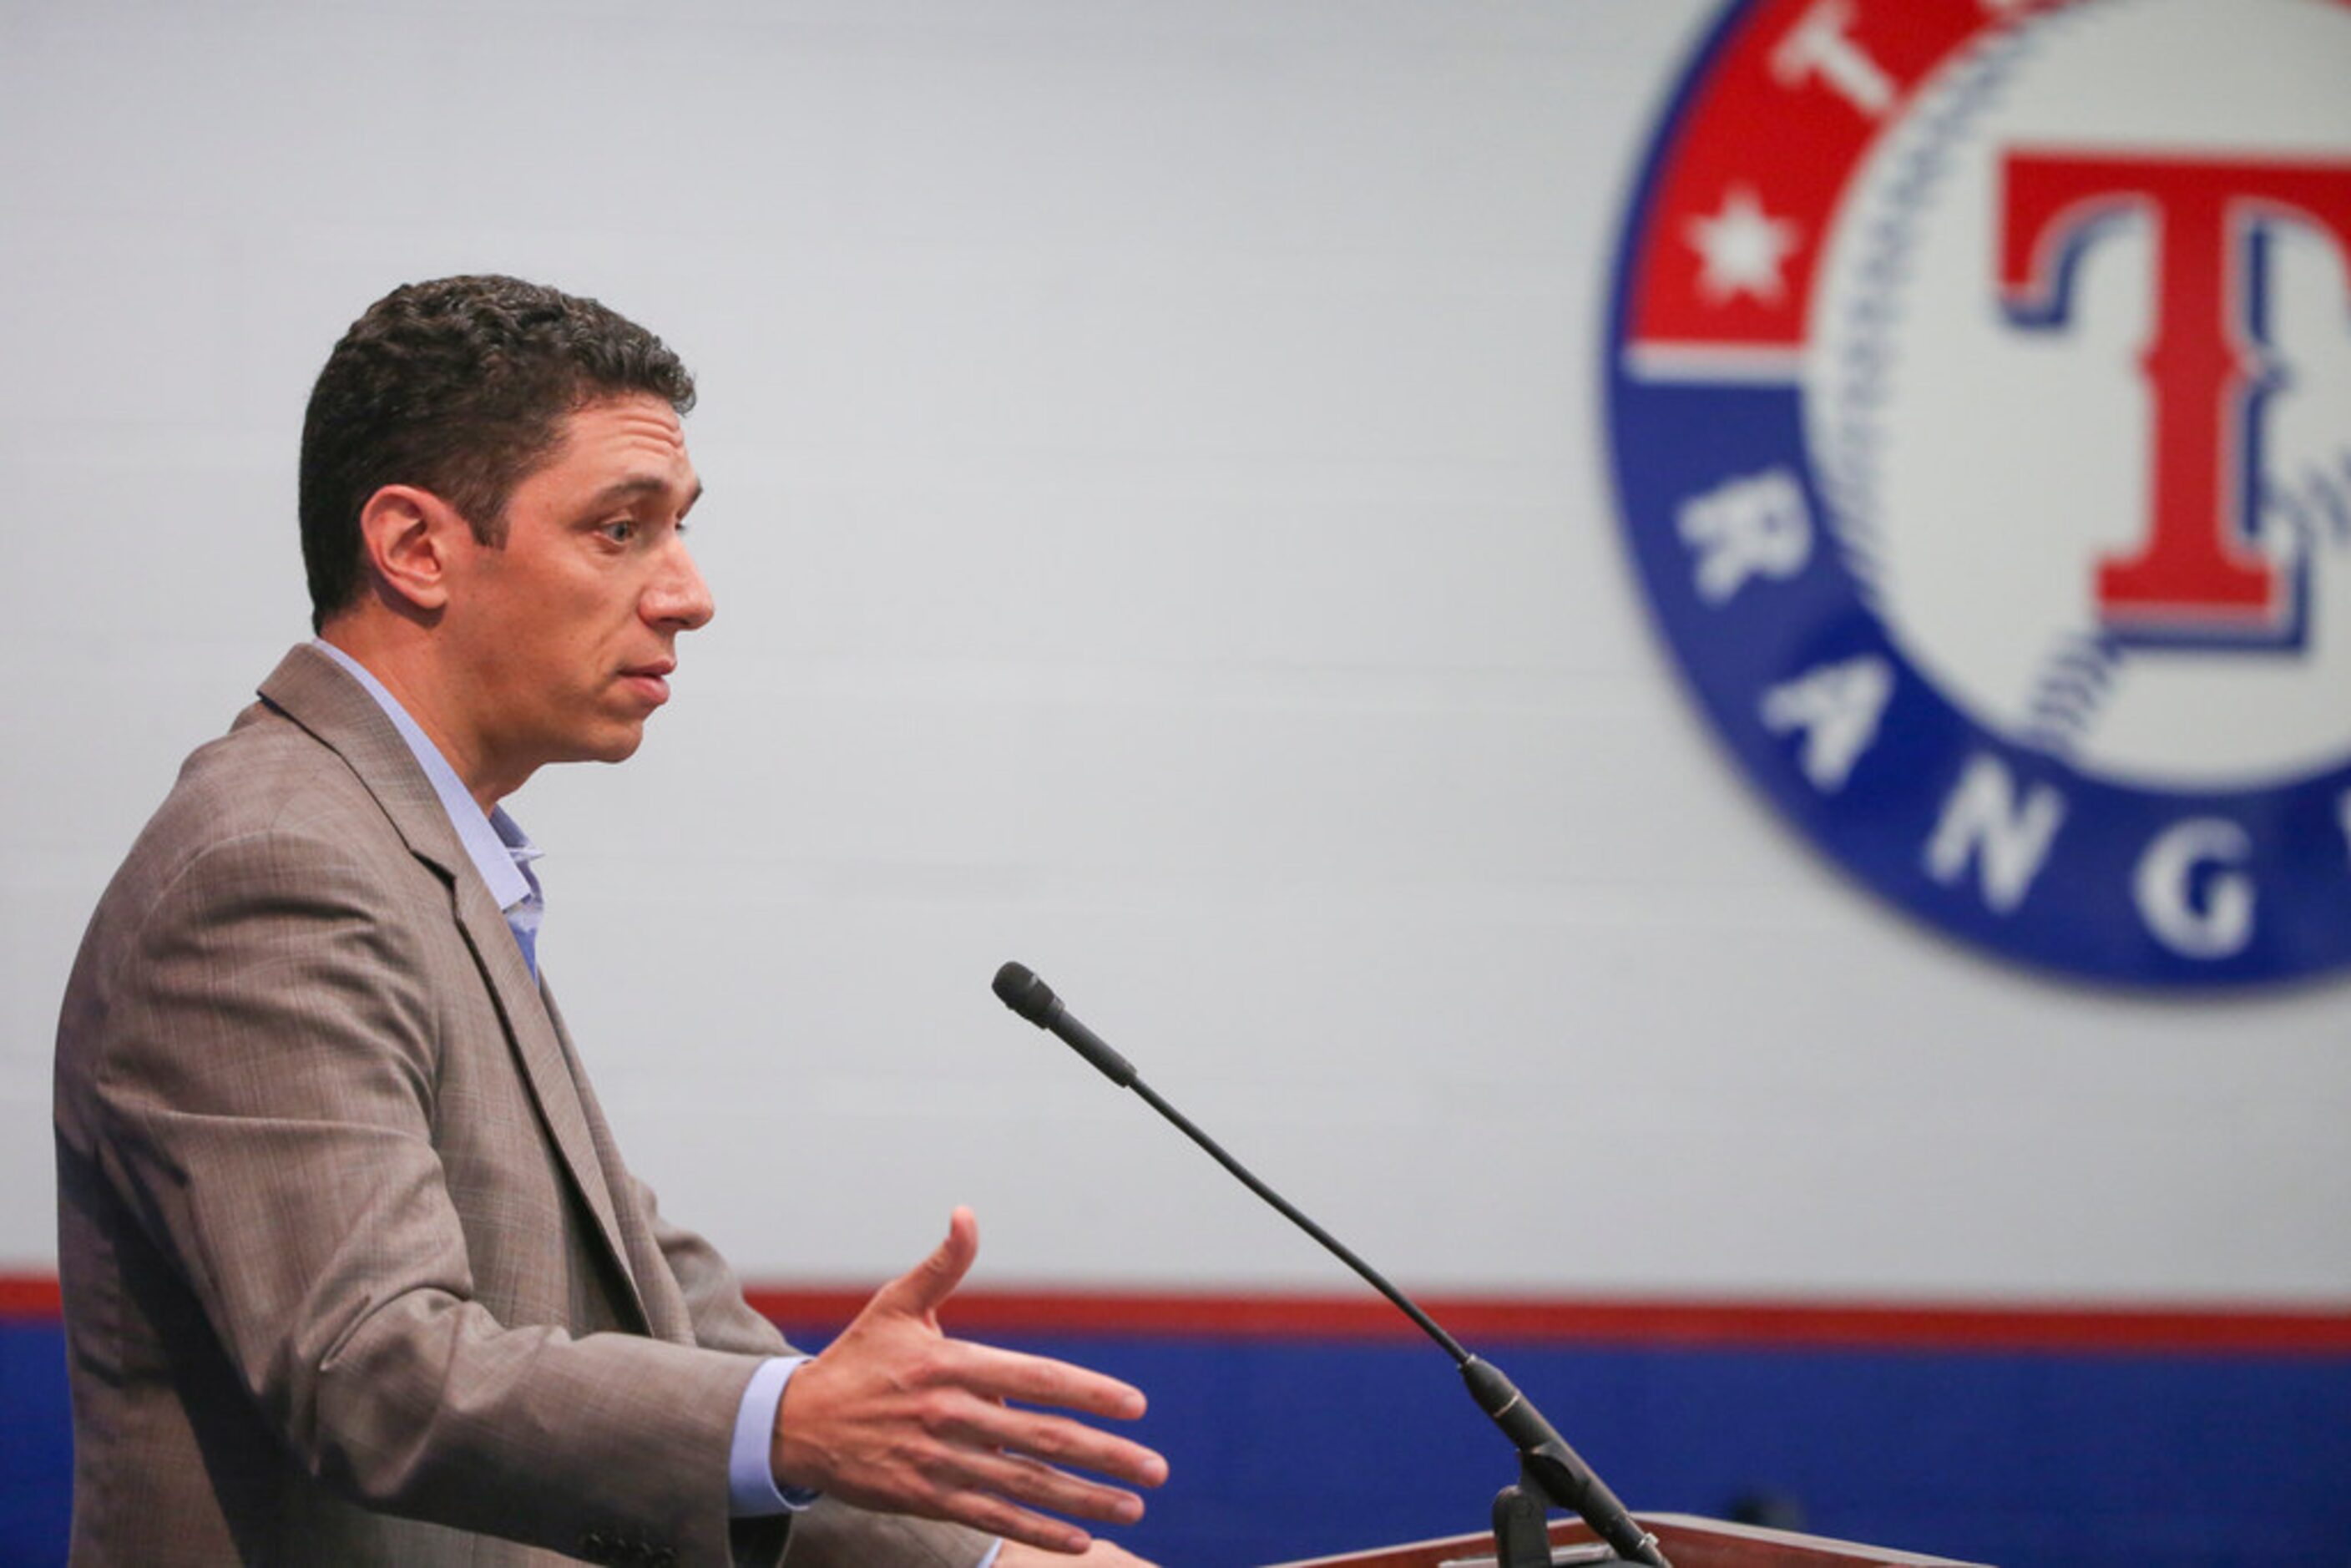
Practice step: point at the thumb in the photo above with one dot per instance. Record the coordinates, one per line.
(920, 1289)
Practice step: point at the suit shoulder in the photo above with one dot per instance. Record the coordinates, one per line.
(265, 794)
(268, 843)
(267, 776)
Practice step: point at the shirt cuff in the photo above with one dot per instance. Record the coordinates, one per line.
(751, 1490)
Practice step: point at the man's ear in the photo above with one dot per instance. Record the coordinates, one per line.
(410, 538)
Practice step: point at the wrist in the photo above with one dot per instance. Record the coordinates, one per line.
(794, 1465)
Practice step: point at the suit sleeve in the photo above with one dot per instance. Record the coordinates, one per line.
(722, 1319)
(265, 1102)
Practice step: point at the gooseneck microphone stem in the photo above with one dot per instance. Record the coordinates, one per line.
(1331, 1243)
(1546, 1462)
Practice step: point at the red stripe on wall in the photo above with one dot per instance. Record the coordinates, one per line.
(28, 1296)
(1650, 1321)
(2242, 1329)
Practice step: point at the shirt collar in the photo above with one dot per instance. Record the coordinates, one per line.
(501, 851)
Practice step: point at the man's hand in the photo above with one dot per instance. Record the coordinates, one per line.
(1101, 1555)
(895, 1415)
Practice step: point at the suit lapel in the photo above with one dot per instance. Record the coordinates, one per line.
(310, 689)
(666, 1313)
(544, 1063)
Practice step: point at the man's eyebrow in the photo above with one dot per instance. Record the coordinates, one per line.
(639, 485)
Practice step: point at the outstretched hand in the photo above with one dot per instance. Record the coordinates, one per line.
(897, 1416)
(1102, 1554)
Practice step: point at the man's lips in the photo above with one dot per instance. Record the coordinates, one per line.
(651, 681)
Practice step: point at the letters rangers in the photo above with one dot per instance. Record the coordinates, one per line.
(1980, 380)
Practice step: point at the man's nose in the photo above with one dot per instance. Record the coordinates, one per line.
(678, 597)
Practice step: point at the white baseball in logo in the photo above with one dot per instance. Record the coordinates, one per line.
(2078, 388)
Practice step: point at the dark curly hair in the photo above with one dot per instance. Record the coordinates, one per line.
(460, 387)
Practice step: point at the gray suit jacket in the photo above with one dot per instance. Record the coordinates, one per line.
(353, 1273)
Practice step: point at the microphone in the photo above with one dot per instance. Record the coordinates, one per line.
(1544, 1456)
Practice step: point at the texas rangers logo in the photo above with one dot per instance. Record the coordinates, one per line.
(1980, 377)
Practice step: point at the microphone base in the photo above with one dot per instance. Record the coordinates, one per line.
(1522, 1535)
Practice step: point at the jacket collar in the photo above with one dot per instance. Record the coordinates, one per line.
(309, 688)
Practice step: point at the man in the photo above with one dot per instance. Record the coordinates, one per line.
(354, 1272)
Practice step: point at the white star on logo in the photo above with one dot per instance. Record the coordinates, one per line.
(1741, 248)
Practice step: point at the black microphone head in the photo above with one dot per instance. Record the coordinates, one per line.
(1017, 988)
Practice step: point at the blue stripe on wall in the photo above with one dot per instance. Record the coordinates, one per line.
(1285, 1448)
(35, 1444)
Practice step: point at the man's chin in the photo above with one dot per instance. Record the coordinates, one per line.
(617, 746)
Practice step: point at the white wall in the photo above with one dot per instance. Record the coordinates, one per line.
(1158, 513)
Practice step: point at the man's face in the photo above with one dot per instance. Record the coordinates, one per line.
(565, 634)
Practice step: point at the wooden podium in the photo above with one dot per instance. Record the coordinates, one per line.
(1689, 1540)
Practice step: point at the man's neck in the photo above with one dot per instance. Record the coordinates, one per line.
(405, 667)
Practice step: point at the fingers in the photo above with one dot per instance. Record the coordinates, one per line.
(1025, 1437)
(998, 1493)
(1042, 1380)
(991, 1515)
(1101, 1555)
(920, 1289)
(943, 1471)
(1025, 1483)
